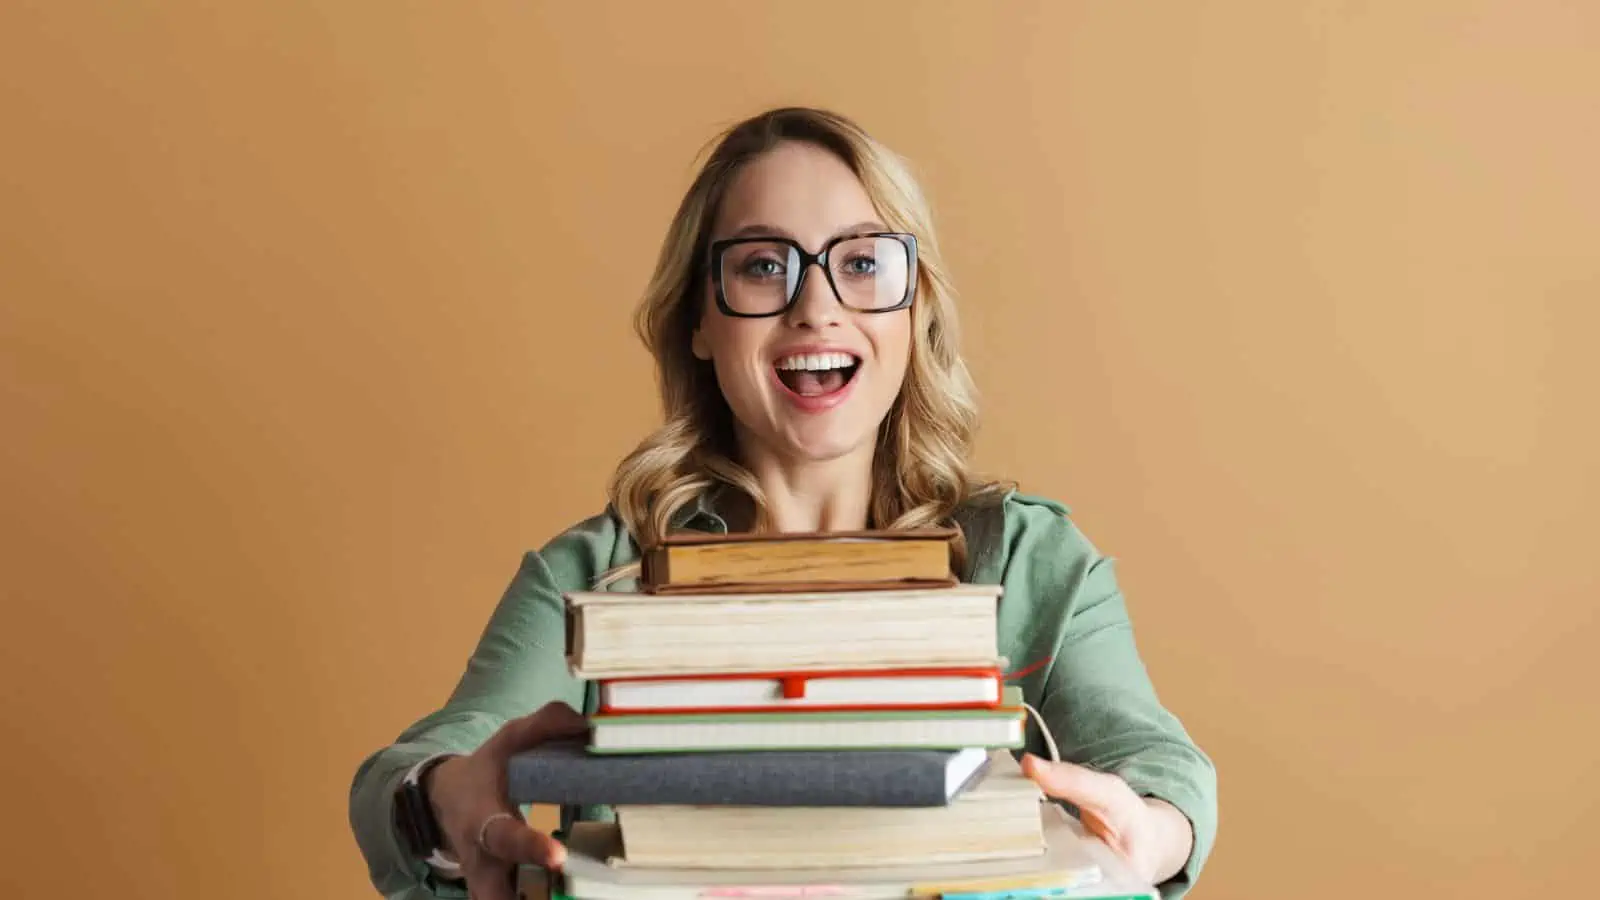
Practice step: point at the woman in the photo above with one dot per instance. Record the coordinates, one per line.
(798, 398)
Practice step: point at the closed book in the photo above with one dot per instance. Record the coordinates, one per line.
(629, 635)
(564, 772)
(798, 560)
(777, 691)
(997, 818)
(1073, 861)
(945, 729)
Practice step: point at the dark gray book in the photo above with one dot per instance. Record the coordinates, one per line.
(565, 773)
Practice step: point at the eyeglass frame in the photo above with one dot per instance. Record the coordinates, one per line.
(820, 258)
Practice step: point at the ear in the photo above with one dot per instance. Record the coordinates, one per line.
(698, 345)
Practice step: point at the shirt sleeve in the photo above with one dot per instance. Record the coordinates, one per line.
(519, 665)
(1094, 692)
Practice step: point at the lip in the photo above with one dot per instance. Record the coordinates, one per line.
(814, 404)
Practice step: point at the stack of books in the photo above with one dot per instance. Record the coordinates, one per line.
(796, 715)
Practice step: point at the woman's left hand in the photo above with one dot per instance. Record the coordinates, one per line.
(1151, 834)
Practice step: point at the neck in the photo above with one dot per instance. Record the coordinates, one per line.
(831, 495)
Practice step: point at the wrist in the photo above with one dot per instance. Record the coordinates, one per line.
(1177, 840)
(429, 783)
(418, 819)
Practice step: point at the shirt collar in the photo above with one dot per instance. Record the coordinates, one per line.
(702, 514)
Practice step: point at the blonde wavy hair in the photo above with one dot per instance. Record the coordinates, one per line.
(921, 465)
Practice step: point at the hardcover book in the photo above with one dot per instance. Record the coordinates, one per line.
(564, 772)
(799, 561)
(633, 635)
(1074, 865)
(946, 729)
(997, 818)
(777, 691)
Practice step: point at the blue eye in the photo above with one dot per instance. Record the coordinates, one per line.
(860, 265)
(762, 267)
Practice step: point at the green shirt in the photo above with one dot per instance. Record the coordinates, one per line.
(1061, 603)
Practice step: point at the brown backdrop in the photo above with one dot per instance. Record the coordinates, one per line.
(1294, 303)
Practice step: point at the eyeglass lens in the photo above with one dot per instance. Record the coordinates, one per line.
(868, 273)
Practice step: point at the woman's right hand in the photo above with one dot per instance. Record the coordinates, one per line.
(466, 791)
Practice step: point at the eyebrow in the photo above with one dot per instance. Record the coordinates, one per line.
(761, 230)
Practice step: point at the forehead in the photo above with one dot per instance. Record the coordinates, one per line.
(797, 188)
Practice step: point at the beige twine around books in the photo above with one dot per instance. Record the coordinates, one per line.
(1049, 741)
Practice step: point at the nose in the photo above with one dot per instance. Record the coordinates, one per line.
(816, 306)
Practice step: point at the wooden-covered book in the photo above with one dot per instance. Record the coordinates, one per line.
(799, 561)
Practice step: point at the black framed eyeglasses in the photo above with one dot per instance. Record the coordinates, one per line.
(761, 276)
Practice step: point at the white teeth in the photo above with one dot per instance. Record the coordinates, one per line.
(817, 362)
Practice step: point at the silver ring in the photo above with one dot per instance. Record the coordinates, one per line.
(483, 830)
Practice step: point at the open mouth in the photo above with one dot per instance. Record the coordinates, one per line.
(817, 374)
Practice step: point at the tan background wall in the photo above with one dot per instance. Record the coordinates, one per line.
(1295, 303)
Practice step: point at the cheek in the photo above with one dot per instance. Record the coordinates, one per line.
(735, 344)
(892, 339)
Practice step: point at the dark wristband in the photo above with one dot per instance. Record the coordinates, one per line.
(413, 813)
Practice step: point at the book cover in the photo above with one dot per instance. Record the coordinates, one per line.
(564, 772)
(952, 729)
(918, 688)
(799, 560)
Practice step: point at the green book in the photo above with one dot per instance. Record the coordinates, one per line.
(929, 729)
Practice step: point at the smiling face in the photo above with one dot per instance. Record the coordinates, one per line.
(814, 382)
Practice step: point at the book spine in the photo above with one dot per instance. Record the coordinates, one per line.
(653, 568)
(609, 710)
(777, 778)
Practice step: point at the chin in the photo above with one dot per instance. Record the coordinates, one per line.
(824, 445)
(825, 453)
(848, 429)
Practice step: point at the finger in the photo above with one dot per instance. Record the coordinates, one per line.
(515, 841)
(1102, 828)
(553, 720)
(1080, 786)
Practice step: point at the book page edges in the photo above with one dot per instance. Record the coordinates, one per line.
(593, 674)
(596, 851)
(767, 594)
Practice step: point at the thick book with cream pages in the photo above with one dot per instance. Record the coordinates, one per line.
(633, 635)
(1074, 864)
(997, 818)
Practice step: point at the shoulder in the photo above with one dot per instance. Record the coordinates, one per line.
(1041, 531)
(584, 550)
(1050, 571)
(1016, 537)
(1025, 510)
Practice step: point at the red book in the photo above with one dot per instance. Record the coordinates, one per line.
(825, 691)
